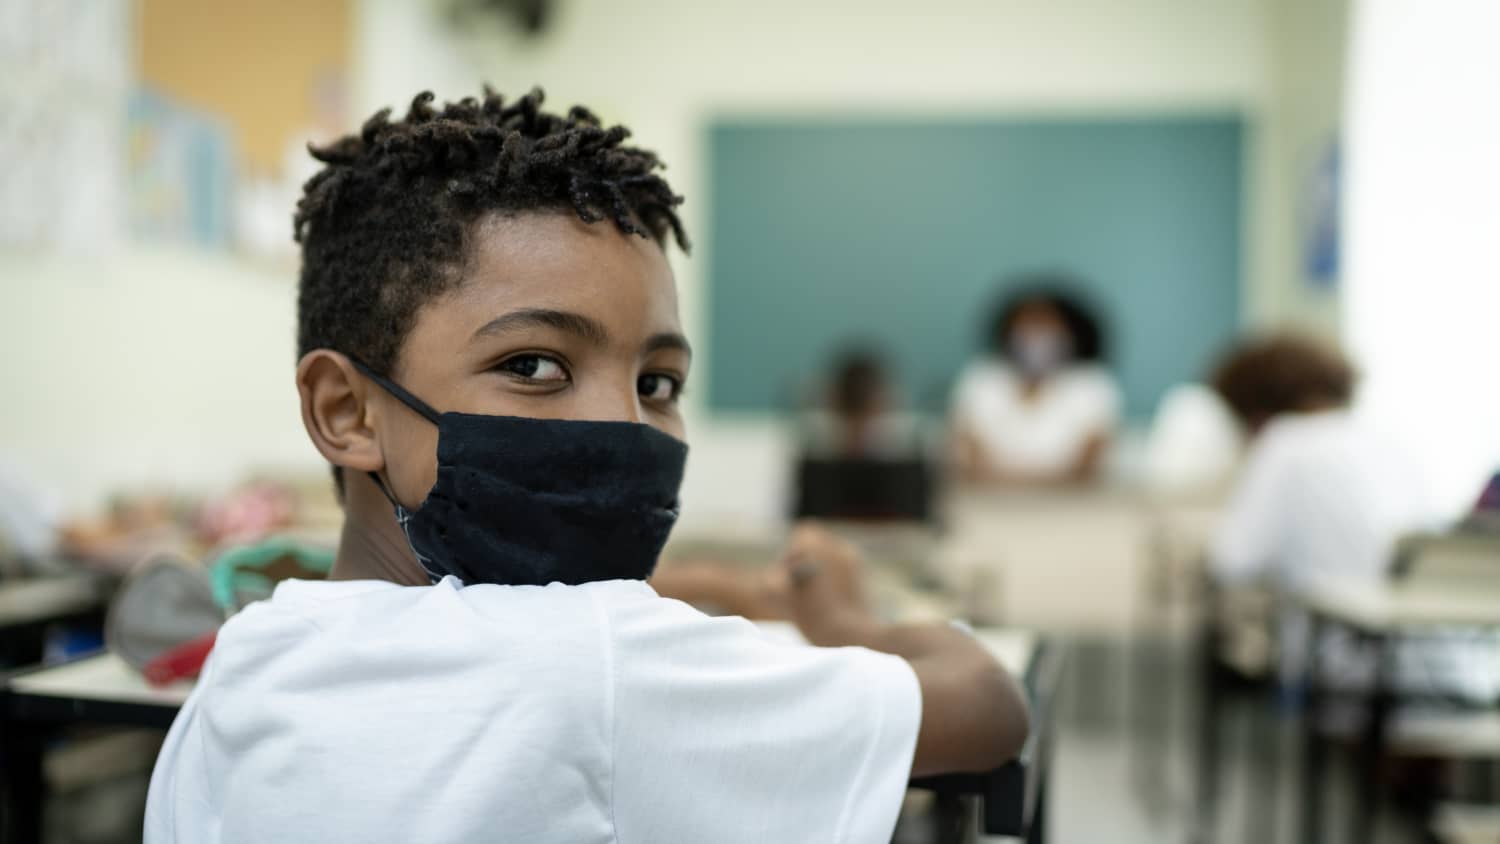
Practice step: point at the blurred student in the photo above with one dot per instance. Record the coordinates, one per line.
(30, 517)
(1193, 445)
(861, 458)
(860, 416)
(36, 536)
(491, 359)
(1324, 493)
(1039, 407)
(1320, 492)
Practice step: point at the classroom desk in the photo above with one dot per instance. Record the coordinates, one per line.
(1378, 612)
(28, 605)
(1012, 800)
(94, 690)
(103, 690)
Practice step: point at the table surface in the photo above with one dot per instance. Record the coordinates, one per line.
(1391, 605)
(1013, 649)
(29, 600)
(106, 677)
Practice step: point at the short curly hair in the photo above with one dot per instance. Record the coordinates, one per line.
(1059, 292)
(385, 225)
(1267, 376)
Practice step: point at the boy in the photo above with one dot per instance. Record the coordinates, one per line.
(492, 360)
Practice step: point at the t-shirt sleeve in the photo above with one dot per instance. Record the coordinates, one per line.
(719, 728)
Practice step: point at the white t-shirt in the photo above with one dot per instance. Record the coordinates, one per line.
(365, 711)
(1043, 433)
(1324, 494)
(1319, 494)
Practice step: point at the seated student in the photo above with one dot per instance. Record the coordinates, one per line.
(1039, 408)
(860, 417)
(1325, 493)
(1320, 491)
(36, 536)
(491, 358)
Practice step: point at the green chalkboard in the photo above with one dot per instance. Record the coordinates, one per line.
(828, 231)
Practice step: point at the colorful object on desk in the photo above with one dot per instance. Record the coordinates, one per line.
(165, 602)
(247, 514)
(249, 572)
(165, 616)
(183, 662)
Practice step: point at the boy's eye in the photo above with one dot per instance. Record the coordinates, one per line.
(657, 387)
(535, 368)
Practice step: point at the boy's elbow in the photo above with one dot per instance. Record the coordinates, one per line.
(974, 716)
(1010, 723)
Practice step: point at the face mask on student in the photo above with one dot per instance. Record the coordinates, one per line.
(1040, 351)
(535, 501)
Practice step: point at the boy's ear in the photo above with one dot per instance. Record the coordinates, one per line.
(336, 411)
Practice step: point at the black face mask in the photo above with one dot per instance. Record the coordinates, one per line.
(536, 501)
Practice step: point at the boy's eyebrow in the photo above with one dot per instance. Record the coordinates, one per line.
(669, 340)
(585, 327)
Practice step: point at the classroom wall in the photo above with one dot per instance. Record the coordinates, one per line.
(1307, 49)
(162, 367)
(1422, 217)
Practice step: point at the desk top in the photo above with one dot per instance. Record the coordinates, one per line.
(105, 677)
(1013, 649)
(28, 600)
(1382, 607)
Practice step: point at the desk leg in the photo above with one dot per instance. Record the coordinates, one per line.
(1363, 826)
(953, 815)
(1314, 749)
(1265, 759)
(1036, 831)
(1210, 709)
(24, 789)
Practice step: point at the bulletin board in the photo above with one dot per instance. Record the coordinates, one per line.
(825, 231)
(262, 67)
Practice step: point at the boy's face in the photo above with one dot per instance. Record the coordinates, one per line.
(554, 319)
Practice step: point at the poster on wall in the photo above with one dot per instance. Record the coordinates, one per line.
(181, 172)
(62, 109)
(1321, 230)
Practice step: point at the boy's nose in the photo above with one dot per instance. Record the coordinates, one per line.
(616, 404)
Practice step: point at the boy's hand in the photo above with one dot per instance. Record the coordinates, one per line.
(822, 580)
(973, 714)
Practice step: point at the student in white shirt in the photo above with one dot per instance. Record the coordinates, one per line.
(491, 359)
(30, 516)
(1320, 492)
(1325, 493)
(1040, 407)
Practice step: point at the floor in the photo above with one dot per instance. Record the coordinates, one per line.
(1127, 767)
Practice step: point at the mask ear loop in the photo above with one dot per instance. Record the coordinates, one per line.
(403, 518)
(423, 409)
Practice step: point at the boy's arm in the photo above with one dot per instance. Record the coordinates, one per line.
(723, 587)
(973, 714)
